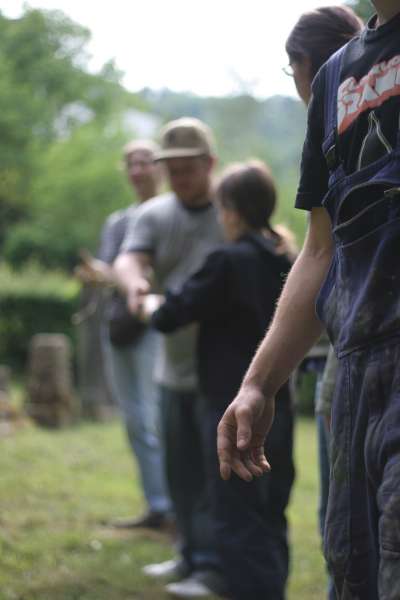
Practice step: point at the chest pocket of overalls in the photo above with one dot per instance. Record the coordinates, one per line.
(368, 269)
(359, 301)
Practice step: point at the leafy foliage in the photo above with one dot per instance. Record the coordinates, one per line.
(80, 185)
(363, 8)
(54, 114)
(33, 302)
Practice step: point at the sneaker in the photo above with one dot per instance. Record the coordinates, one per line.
(201, 584)
(169, 570)
(150, 520)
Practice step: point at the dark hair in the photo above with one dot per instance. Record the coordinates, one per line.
(320, 32)
(249, 189)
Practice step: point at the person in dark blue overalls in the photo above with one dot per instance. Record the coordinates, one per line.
(317, 35)
(349, 267)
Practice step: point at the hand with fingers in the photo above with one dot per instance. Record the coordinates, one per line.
(92, 270)
(136, 295)
(242, 432)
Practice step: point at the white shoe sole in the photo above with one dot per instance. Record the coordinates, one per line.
(189, 588)
(165, 570)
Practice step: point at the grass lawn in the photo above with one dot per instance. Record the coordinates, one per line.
(58, 488)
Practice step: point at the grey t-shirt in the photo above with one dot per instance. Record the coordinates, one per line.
(113, 234)
(178, 239)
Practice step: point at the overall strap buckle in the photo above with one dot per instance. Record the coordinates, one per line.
(332, 158)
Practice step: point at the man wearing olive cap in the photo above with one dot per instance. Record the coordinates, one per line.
(170, 237)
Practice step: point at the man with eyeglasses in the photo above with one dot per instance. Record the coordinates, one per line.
(131, 361)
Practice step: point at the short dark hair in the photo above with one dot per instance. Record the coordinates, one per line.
(249, 189)
(320, 32)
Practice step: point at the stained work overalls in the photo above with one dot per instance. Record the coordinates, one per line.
(360, 305)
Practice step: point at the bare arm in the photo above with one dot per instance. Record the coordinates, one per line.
(295, 327)
(132, 271)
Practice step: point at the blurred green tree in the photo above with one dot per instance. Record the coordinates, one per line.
(363, 8)
(80, 183)
(59, 130)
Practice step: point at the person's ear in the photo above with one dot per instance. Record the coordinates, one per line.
(233, 217)
(308, 68)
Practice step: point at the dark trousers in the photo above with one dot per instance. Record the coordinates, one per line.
(181, 422)
(362, 534)
(250, 522)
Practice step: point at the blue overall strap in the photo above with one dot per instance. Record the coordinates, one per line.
(332, 81)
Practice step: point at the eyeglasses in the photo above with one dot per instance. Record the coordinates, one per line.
(288, 70)
(130, 164)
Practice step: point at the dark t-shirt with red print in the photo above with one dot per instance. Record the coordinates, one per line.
(368, 109)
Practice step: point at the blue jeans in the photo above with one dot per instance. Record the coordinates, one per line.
(182, 421)
(137, 395)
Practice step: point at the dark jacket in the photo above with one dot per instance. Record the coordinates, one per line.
(233, 298)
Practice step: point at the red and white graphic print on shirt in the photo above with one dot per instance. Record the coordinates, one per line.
(355, 97)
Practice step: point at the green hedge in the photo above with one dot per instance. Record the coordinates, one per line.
(33, 301)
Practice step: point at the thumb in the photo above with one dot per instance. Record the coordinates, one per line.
(85, 255)
(244, 428)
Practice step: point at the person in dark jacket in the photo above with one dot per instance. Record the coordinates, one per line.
(232, 297)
